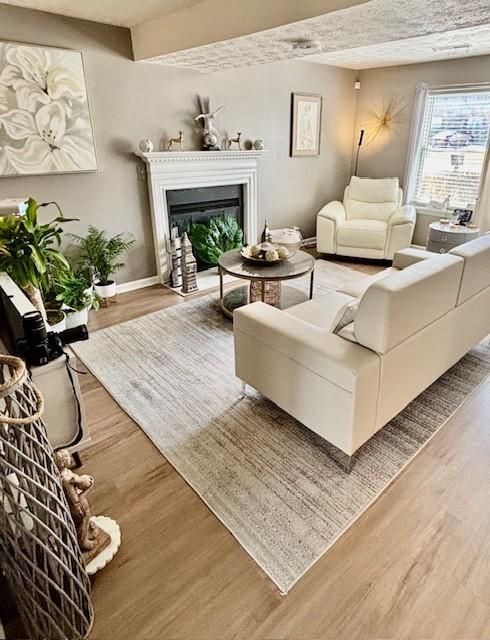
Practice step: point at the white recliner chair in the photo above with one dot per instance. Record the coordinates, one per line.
(370, 223)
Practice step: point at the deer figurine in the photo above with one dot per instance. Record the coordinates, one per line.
(179, 141)
(236, 140)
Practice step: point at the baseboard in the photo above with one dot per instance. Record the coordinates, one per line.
(124, 287)
(152, 280)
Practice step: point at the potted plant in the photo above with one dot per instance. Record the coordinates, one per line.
(28, 251)
(76, 294)
(56, 319)
(103, 255)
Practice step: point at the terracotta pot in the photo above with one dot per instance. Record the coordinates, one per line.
(108, 290)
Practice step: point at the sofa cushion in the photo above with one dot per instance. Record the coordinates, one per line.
(476, 268)
(362, 233)
(357, 289)
(398, 306)
(324, 311)
(374, 199)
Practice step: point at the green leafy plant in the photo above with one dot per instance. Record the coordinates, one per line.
(102, 253)
(74, 290)
(210, 240)
(28, 250)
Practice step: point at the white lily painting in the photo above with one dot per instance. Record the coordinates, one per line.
(45, 122)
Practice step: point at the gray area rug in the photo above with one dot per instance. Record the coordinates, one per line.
(268, 479)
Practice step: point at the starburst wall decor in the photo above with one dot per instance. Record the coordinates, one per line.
(45, 124)
(383, 121)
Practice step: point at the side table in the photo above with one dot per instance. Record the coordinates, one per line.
(442, 237)
(260, 276)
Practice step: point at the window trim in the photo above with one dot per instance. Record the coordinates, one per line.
(422, 91)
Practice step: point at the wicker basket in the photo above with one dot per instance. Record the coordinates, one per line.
(40, 555)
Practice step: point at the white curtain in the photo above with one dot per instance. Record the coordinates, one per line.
(413, 143)
(482, 214)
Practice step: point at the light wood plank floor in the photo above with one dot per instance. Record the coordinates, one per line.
(415, 565)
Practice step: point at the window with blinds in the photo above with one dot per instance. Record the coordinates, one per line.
(452, 148)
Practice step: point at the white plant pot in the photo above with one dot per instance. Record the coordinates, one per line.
(76, 318)
(108, 290)
(59, 326)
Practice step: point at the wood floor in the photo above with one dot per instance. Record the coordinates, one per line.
(415, 565)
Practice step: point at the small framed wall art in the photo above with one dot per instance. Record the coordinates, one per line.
(45, 124)
(306, 117)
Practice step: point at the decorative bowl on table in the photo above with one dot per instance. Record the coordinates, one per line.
(266, 253)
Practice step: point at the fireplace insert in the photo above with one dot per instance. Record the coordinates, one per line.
(199, 205)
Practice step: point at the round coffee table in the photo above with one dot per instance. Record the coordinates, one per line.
(260, 277)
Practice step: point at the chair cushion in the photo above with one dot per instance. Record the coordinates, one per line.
(324, 312)
(374, 189)
(373, 199)
(369, 234)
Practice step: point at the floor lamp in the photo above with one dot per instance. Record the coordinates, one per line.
(358, 150)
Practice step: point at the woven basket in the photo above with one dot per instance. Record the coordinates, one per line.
(39, 550)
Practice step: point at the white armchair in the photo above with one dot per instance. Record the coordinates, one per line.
(370, 223)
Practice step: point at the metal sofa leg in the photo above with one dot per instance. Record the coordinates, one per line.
(344, 461)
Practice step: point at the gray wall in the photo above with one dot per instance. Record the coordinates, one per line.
(133, 100)
(402, 81)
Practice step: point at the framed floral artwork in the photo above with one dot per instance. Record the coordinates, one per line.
(45, 124)
(306, 117)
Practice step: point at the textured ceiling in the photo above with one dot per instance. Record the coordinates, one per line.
(379, 32)
(412, 50)
(122, 13)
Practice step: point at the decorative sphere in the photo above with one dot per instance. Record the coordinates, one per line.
(271, 255)
(145, 145)
(258, 145)
(282, 252)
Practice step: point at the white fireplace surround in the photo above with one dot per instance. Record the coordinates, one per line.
(191, 169)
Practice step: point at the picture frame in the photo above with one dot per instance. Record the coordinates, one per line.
(306, 118)
(45, 121)
(463, 216)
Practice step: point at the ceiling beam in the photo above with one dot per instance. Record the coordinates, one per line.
(215, 21)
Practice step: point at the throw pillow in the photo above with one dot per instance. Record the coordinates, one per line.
(347, 317)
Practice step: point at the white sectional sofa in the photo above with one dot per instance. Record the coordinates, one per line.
(413, 322)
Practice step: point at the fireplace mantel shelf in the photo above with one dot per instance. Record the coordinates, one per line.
(180, 156)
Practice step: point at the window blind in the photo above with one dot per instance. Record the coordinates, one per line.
(452, 148)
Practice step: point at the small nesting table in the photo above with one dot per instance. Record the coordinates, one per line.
(260, 276)
(441, 237)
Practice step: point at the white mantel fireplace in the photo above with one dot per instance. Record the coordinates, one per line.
(194, 169)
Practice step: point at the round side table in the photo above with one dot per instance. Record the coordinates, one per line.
(260, 277)
(441, 237)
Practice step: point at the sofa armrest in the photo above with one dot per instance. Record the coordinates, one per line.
(406, 257)
(326, 354)
(334, 210)
(403, 215)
